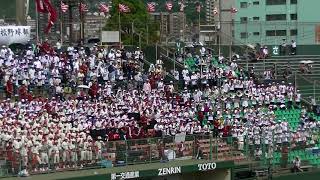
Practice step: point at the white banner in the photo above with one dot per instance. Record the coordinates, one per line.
(110, 36)
(14, 34)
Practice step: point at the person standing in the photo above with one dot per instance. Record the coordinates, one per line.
(55, 154)
(98, 148)
(283, 47)
(296, 165)
(44, 155)
(9, 88)
(74, 155)
(293, 47)
(58, 46)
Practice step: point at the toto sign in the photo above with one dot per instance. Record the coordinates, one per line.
(207, 166)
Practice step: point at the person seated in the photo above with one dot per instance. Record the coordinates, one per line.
(296, 165)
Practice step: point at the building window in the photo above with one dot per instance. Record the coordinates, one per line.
(276, 17)
(243, 4)
(256, 18)
(276, 33)
(293, 32)
(276, 2)
(256, 2)
(271, 33)
(293, 1)
(243, 19)
(256, 33)
(243, 35)
(281, 32)
(293, 17)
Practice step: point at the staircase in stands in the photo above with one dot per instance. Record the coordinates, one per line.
(308, 84)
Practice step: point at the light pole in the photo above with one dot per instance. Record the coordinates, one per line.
(220, 18)
(132, 33)
(132, 29)
(139, 40)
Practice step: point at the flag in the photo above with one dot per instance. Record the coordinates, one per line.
(83, 7)
(182, 6)
(198, 7)
(169, 6)
(64, 7)
(52, 13)
(215, 11)
(104, 8)
(124, 8)
(41, 7)
(233, 10)
(151, 6)
(49, 26)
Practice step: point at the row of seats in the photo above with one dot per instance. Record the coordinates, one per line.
(314, 116)
(292, 116)
(191, 64)
(288, 112)
(302, 154)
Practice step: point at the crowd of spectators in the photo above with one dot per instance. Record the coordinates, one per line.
(117, 100)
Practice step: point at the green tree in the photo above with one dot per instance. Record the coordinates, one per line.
(134, 24)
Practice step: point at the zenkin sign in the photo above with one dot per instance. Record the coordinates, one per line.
(169, 171)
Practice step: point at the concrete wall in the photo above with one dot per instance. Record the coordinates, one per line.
(221, 174)
(305, 24)
(224, 18)
(306, 13)
(218, 174)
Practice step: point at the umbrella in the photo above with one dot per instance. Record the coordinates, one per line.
(306, 62)
(83, 86)
(93, 40)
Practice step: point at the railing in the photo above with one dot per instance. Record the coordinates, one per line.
(282, 154)
(307, 83)
(310, 88)
(118, 153)
(152, 150)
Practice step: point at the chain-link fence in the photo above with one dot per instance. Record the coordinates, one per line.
(115, 153)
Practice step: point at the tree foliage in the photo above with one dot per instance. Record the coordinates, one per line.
(137, 22)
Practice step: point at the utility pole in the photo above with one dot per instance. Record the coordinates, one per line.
(37, 25)
(219, 33)
(27, 8)
(70, 22)
(132, 31)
